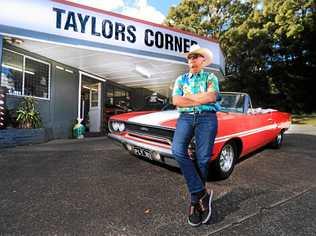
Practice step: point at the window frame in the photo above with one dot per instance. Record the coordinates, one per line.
(23, 75)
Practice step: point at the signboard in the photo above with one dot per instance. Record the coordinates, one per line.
(64, 22)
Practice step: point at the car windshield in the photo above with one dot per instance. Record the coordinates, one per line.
(232, 102)
(153, 102)
(151, 107)
(168, 107)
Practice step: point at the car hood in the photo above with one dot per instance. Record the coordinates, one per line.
(152, 118)
(167, 119)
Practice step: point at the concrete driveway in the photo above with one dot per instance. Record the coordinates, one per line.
(93, 187)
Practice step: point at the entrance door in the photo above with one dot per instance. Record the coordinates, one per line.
(90, 101)
(95, 108)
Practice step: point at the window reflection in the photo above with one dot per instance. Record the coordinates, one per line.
(12, 73)
(22, 75)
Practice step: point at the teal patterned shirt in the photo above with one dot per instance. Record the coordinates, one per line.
(189, 83)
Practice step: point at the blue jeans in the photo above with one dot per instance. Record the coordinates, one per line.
(202, 126)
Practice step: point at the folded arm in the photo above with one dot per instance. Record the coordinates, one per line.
(181, 101)
(203, 98)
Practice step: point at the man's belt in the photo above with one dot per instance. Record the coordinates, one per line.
(198, 112)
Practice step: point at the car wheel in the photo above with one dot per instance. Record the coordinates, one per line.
(223, 166)
(277, 142)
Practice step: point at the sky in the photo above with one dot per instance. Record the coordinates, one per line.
(149, 10)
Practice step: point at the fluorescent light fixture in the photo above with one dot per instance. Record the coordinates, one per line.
(60, 68)
(18, 69)
(142, 71)
(69, 71)
(29, 72)
(86, 87)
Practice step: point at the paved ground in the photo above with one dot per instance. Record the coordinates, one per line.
(93, 187)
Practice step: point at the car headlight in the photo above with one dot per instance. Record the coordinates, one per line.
(117, 126)
(121, 127)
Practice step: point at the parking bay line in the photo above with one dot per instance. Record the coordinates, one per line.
(262, 209)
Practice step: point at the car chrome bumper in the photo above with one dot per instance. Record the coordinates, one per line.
(166, 153)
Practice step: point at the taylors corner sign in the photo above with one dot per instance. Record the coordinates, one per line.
(68, 23)
(119, 31)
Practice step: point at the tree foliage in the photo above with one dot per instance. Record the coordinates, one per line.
(268, 46)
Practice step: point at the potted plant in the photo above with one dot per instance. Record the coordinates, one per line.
(27, 115)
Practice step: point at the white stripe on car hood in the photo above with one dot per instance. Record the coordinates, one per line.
(155, 118)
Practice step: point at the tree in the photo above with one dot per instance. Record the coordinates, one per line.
(268, 46)
(292, 59)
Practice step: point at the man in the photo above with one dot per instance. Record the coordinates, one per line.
(195, 95)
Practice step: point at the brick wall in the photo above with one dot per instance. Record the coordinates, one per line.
(12, 137)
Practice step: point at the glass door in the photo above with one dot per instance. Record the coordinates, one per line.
(95, 108)
(89, 110)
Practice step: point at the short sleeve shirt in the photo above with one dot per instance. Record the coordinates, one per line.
(188, 84)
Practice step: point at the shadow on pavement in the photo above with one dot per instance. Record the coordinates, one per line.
(230, 202)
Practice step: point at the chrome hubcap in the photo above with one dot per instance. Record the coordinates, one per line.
(226, 158)
(279, 138)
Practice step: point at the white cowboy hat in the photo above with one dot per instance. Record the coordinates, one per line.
(206, 53)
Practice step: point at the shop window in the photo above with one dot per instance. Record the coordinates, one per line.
(116, 96)
(12, 72)
(109, 96)
(119, 92)
(22, 75)
(128, 98)
(36, 78)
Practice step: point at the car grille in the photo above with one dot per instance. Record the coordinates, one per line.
(149, 131)
(154, 134)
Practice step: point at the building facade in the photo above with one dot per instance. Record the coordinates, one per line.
(84, 63)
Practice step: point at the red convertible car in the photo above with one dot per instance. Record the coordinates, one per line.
(241, 130)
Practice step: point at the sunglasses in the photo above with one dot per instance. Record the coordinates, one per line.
(194, 56)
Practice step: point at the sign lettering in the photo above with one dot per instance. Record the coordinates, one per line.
(109, 29)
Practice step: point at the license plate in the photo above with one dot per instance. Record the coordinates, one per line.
(142, 152)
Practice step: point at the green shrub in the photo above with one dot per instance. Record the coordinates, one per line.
(27, 115)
